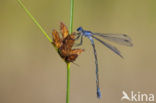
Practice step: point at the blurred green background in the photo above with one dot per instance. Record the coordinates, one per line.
(32, 72)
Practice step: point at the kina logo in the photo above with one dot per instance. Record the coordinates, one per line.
(137, 96)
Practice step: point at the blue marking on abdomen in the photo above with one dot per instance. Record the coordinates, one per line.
(98, 93)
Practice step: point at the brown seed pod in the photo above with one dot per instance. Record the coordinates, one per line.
(65, 44)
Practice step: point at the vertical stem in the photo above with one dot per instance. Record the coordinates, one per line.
(71, 15)
(68, 64)
(68, 83)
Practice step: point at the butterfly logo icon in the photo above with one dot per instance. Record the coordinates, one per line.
(125, 96)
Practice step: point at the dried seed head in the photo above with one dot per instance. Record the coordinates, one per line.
(56, 39)
(64, 30)
(65, 44)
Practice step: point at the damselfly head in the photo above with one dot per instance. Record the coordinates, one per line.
(80, 29)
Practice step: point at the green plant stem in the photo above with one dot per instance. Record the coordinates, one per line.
(68, 64)
(50, 40)
(68, 83)
(34, 20)
(71, 15)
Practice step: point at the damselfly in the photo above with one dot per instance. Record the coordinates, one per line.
(122, 39)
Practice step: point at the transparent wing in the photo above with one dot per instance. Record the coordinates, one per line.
(121, 39)
(114, 49)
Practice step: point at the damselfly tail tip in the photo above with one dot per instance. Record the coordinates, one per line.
(98, 93)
